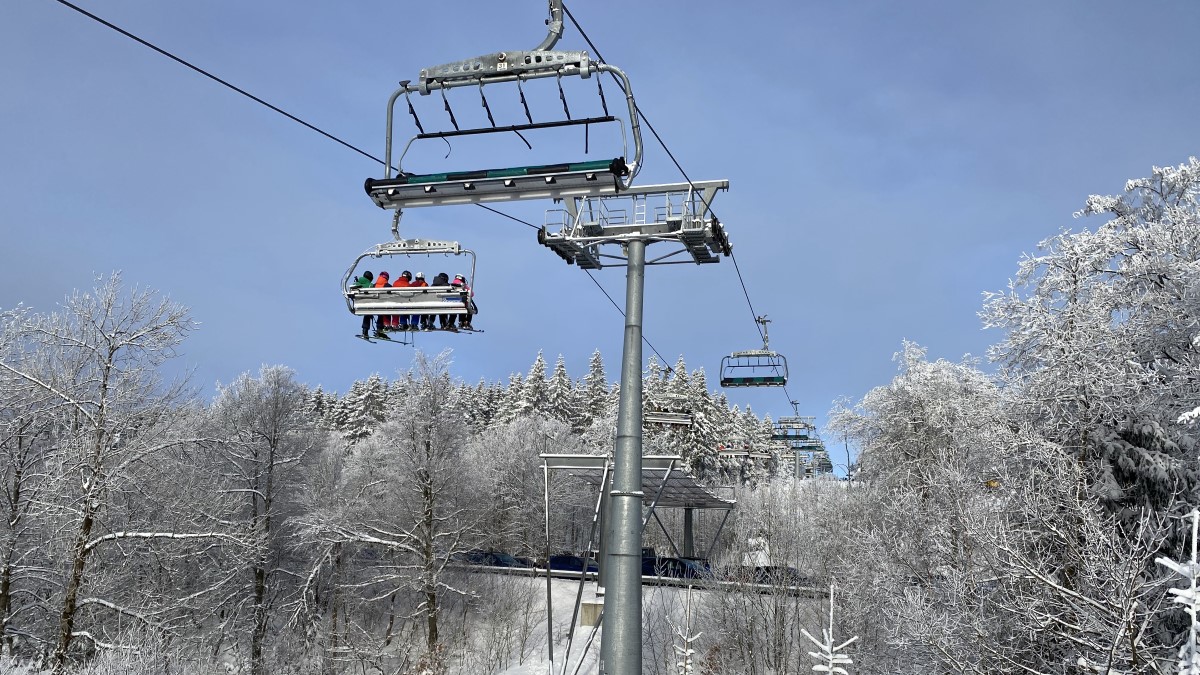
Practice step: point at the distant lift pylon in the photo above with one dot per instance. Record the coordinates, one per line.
(755, 367)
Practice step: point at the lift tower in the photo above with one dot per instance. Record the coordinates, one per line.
(613, 230)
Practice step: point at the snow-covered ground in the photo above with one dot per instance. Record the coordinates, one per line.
(563, 593)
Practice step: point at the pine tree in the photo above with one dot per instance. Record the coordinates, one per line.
(561, 396)
(315, 405)
(510, 405)
(535, 391)
(362, 408)
(596, 395)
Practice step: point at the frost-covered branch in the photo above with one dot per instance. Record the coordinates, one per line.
(113, 536)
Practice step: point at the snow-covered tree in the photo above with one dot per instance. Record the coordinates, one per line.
(932, 442)
(510, 404)
(321, 406)
(27, 432)
(503, 463)
(749, 630)
(596, 393)
(406, 494)
(95, 364)
(535, 390)
(1189, 651)
(362, 408)
(1072, 580)
(266, 435)
(560, 396)
(1100, 339)
(829, 656)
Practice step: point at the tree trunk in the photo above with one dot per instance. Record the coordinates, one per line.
(260, 622)
(431, 598)
(66, 622)
(14, 522)
(334, 599)
(91, 502)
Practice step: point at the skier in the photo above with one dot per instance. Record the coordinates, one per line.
(364, 281)
(400, 321)
(426, 322)
(460, 283)
(381, 322)
(445, 321)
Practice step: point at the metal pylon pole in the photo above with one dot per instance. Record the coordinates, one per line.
(621, 641)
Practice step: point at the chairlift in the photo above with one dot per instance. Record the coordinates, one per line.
(745, 452)
(670, 412)
(409, 300)
(795, 430)
(549, 181)
(755, 367)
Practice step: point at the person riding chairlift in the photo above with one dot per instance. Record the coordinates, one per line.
(381, 321)
(400, 321)
(426, 321)
(365, 280)
(460, 283)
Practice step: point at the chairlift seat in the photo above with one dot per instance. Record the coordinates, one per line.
(407, 300)
(754, 381)
(665, 417)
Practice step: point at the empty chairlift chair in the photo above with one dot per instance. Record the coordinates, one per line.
(544, 181)
(755, 367)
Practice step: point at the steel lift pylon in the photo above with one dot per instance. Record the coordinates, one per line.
(596, 231)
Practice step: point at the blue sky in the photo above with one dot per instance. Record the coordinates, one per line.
(889, 162)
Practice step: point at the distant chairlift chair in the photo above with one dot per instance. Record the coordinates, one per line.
(756, 367)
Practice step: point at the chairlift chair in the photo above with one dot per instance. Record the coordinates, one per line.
(755, 367)
(550, 181)
(390, 300)
(669, 413)
(793, 428)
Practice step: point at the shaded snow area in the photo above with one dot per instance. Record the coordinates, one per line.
(563, 593)
(500, 641)
(666, 620)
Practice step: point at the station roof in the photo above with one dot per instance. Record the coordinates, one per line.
(678, 491)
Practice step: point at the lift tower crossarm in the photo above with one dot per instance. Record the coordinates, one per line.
(591, 223)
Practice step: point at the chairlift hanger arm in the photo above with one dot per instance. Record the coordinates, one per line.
(555, 26)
